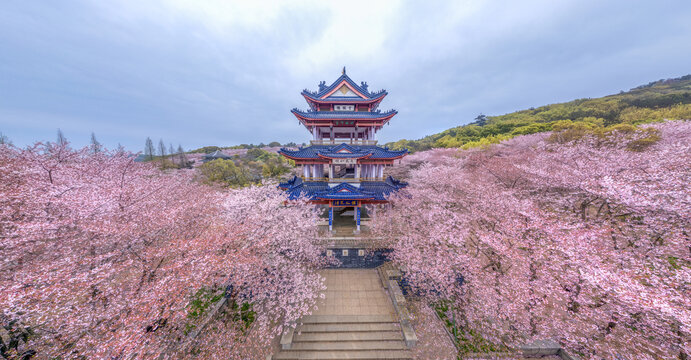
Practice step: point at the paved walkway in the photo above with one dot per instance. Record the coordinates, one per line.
(354, 292)
(356, 320)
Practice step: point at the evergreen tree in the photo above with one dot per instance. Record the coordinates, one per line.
(480, 120)
(149, 150)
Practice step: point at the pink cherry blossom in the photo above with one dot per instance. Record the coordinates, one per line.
(101, 254)
(586, 243)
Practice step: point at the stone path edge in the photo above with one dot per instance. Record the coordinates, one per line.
(399, 303)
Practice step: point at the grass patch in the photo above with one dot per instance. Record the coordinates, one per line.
(467, 340)
(241, 314)
(674, 262)
(202, 300)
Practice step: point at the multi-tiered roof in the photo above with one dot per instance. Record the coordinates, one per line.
(335, 93)
(342, 104)
(343, 164)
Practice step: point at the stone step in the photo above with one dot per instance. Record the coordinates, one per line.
(348, 336)
(356, 354)
(347, 319)
(348, 345)
(371, 327)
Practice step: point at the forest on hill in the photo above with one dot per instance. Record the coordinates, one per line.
(234, 166)
(658, 100)
(246, 167)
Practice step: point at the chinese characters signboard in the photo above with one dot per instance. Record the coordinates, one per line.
(345, 161)
(341, 203)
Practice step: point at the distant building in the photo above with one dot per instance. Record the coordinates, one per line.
(215, 155)
(343, 167)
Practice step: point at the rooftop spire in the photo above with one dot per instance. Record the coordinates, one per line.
(344, 70)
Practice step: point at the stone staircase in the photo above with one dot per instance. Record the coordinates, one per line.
(343, 231)
(347, 337)
(356, 320)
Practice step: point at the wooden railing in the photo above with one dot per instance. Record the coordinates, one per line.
(341, 141)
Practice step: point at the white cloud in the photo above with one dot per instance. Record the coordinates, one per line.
(356, 31)
(349, 31)
(223, 15)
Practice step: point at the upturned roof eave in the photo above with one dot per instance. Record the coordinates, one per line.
(300, 189)
(338, 82)
(344, 78)
(320, 153)
(313, 98)
(302, 115)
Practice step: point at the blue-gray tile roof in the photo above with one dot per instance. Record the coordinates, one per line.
(319, 190)
(343, 151)
(362, 88)
(344, 114)
(350, 99)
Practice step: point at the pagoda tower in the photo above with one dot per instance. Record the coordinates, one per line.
(343, 167)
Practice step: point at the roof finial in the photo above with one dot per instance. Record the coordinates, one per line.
(344, 70)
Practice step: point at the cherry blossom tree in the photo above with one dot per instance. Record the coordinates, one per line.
(101, 254)
(584, 242)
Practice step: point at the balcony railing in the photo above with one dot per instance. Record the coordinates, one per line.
(342, 179)
(341, 141)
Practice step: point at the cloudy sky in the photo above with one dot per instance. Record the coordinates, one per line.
(218, 72)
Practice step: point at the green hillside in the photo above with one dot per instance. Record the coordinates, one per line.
(658, 100)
